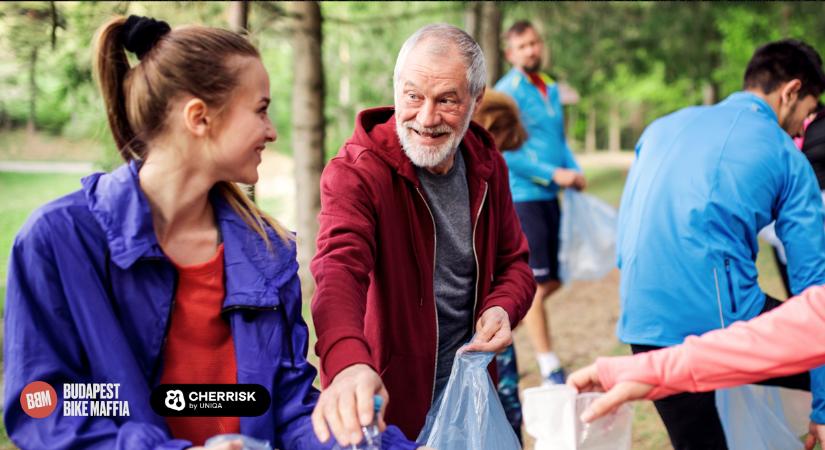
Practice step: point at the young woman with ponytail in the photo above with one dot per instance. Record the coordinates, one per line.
(162, 271)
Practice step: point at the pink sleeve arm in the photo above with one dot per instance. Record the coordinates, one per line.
(784, 341)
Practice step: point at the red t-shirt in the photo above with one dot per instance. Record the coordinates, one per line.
(199, 346)
(535, 78)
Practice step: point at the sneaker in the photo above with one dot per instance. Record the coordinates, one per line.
(556, 377)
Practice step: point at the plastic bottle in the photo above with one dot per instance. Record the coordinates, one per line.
(372, 437)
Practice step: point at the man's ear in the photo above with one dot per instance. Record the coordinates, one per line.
(789, 92)
(479, 98)
(196, 117)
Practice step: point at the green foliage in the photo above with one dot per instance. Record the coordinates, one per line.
(647, 58)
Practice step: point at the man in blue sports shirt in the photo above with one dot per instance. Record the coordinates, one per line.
(538, 169)
(705, 181)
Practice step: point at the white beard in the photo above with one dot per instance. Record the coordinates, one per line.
(428, 156)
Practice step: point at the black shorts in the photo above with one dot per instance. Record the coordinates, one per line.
(540, 222)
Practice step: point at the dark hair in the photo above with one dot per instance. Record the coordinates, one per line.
(781, 61)
(518, 28)
(196, 60)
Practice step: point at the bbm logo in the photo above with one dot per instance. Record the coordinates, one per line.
(174, 400)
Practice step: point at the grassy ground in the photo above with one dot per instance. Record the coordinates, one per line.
(582, 315)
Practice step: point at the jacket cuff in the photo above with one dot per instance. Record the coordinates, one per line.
(344, 353)
(393, 439)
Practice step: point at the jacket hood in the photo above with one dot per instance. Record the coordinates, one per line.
(375, 131)
(122, 212)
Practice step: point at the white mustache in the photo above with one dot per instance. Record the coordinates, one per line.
(411, 124)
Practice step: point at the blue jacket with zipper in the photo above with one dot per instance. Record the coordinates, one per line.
(532, 165)
(705, 181)
(89, 297)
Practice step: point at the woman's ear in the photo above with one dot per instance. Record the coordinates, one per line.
(196, 117)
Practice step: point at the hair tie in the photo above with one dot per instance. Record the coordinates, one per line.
(140, 34)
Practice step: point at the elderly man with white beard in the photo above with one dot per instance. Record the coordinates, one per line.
(419, 249)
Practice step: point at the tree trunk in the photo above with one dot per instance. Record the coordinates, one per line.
(590, 133)
(709, 93)
(472, 19)
(637, 121)
(239, 16)
(307, 130)
(30, 125)
(344, 84)
(571, 117)
(490, 33)
(55, 24)
(614, 132)
(238, 12)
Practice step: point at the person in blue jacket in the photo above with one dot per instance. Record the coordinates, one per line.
(538, 169)
(96, 277)
(706, 179)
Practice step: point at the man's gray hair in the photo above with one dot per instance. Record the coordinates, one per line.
(442, 38)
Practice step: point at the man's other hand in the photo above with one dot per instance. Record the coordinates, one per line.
(493, 332)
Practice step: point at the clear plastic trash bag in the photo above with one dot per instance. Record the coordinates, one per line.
(763, 417)
(469, 414)
(587, 237)
(551, 416)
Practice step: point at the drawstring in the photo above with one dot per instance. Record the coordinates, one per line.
(418, 266)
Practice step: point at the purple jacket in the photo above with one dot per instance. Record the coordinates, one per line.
(89, 297)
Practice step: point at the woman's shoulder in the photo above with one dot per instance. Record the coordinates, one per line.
(57, 217)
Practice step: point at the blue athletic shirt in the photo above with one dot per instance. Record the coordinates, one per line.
(532, 165)
(705, 181)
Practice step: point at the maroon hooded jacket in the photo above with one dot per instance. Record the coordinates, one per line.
(374, 301)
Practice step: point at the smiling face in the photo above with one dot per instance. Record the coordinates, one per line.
(433, 106)
(244, 127)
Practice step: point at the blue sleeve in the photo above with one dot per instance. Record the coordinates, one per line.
(570, 160)
(393, 439)
(41, 344)
(817, 389)
(524, 164)
(799, 224)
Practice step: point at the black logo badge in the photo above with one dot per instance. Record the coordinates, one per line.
(210, 400)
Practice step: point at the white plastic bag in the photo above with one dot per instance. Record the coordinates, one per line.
(551, 415)
(587, 235)
(758, 417)
(469, 414)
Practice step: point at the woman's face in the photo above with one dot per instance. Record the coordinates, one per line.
(244, 128)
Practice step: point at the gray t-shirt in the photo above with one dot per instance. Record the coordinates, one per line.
(454, 283)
